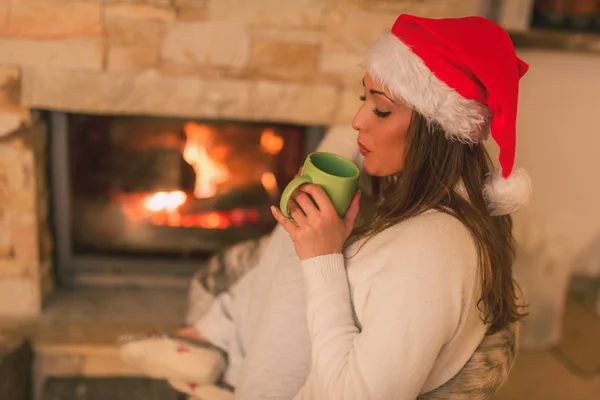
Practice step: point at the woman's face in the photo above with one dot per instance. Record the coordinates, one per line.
(382, 124)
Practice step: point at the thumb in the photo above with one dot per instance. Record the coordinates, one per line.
(352, 213)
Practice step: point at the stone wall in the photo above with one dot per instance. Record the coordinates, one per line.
(277, 60)
(293, 61)
(25, 245)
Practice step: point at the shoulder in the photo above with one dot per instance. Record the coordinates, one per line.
(427, 261)
(432, 243)
(431, 230)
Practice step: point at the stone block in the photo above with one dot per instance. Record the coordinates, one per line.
(20, 185)
(195, 43)
(50, 19)
(66, 90)
(303, 13)
(287, 34)
(17, 182)
(133, 44)
(6, 244)
(131, 58)
(293, 102)
(150, 92)
(158, 3)
(191, 10)
(12, 119)
(352, 31)
(226, 98)
(191, 3)
(10, 86)
(132, 32)
(426, 8)
(347, 64)
(12, 115)
(348, 105)
(267, 54)
(20, 297)
(68, 54)
(142, 12)
(25, 238)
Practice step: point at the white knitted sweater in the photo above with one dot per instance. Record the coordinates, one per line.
(398, 319)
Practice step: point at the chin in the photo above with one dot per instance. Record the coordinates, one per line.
(376, 169)
(371, 168)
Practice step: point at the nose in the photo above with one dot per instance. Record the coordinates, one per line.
(355, 124)
(357, 121)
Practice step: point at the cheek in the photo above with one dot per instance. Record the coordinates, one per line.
(389, 153)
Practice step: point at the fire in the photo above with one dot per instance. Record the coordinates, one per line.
(210, 159)
(165, 201)
(165, 209)
(269, 182)
(270, 142)
(209, 174)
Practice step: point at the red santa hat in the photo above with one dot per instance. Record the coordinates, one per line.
(463, 74)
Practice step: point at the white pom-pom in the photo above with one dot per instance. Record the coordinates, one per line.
(505, 196)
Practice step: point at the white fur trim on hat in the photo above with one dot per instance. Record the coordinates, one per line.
(391, 63)
(506, 195)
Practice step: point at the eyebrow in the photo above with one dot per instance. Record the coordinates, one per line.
(373, 91)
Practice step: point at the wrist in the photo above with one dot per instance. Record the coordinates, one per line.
(326, 266)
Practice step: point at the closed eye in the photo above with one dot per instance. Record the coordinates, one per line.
(380, 114)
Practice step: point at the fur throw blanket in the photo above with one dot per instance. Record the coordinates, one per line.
(480, 378)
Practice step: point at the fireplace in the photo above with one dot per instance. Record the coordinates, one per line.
(139, 195)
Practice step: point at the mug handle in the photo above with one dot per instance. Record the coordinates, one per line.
(289, 190)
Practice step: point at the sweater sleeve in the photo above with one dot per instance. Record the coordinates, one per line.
(411, 312)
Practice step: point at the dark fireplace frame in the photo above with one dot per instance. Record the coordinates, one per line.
(105, 270)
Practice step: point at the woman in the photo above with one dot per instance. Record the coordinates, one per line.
(397, 305)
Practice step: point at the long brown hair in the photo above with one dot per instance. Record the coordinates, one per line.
(433, 167)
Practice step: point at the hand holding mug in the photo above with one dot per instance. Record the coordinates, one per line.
(325, 205)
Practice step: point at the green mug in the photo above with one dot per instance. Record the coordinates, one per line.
(335, 174)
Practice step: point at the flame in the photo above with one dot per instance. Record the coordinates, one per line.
(270, 142)
(209, 174)
(209, 159)
(164, 209)
(165, 201)
(269, 182)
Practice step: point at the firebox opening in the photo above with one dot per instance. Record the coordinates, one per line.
(146, 187)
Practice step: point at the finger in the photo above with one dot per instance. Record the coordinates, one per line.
(286, 223)
(307, 205)
(352, 213)
(320, 197)
(297, 214)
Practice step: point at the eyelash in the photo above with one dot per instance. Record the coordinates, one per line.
(380, 114)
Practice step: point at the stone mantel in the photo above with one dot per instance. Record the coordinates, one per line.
(152, 93)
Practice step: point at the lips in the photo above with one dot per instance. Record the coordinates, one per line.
(363, 150)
